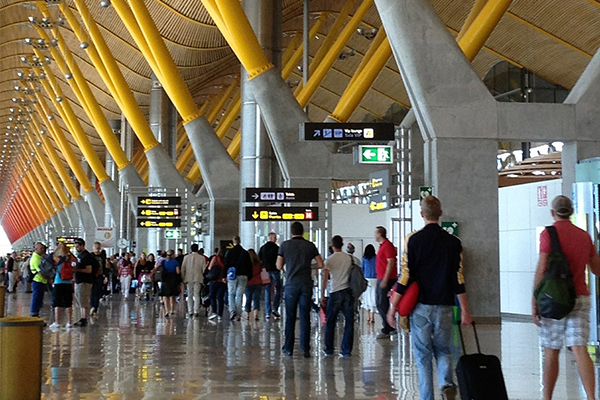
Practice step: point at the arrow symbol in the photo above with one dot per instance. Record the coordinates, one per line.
(369, 153)
(255, 196)
(255, 215)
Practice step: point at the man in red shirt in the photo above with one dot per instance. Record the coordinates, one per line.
(580, 252)
(387, 275)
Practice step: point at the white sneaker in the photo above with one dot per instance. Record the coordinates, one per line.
(212, 316)
(68, 325)
(54, 326)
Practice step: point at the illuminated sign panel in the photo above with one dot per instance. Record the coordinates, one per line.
(298, 195)
(159, 212)
(281, 213)
(158, 223)
(159, 201)
(347, 132)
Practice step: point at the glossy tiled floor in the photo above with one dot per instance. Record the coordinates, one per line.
(129, 353)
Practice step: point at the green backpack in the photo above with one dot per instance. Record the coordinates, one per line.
(555, 294)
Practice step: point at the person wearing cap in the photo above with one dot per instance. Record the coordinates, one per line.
(580, 252)
(40, 282)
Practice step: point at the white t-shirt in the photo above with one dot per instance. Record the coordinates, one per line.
(339, 264)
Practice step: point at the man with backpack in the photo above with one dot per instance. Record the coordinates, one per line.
(239, 272)
(84, 279)
(62, 292)
(341, 297)
(579, 251)
(40, 282)
(433, 258)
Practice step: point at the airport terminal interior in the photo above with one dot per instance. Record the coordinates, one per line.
(143, 127)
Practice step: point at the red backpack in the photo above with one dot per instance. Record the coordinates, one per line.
(67, 270)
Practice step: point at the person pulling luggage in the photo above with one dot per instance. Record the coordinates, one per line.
(433, 258)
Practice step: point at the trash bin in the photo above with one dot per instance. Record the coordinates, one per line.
(21, 358)
(2, 300)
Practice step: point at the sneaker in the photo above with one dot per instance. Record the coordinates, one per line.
(94, 312)
(81, 323)
(287, 353)
(327, 353)
(232, 316)
(54, 326)
(219, 318)
(345, 355)
(69, 325)
(276, 315)
(449, 392)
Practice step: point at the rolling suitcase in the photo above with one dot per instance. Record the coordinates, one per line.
(479, 375)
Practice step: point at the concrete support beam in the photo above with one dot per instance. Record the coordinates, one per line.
(86, 218)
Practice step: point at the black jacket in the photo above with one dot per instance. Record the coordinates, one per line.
(238, 258)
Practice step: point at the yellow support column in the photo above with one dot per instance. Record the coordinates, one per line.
(235, 145)
(375, 45)
(43, 181)
(50, 173)
(477, 7)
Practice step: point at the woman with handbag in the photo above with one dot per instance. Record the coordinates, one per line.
(171, 280)
(216, 275)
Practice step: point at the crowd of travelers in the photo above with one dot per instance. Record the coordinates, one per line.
(432, 260)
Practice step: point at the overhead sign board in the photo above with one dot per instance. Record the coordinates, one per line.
(374, 154)
(172, 234)
(298, 195)
(347, 132)
(281, 213)
(159, 212)
(379, 202)
(158, 201)
(158, 223)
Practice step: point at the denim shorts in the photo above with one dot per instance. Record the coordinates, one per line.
(575, 327)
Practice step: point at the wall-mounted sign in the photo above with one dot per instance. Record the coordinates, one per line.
(159, 212)
(425, 191)
(379, 202)
(378, 187)
(348, 131)
(158, 201)
(158, 223)
(106, 236)
(297, 195)
(374, 154)
(281, 213)
(451, 227)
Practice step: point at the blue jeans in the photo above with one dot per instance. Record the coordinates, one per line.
(236, 288)
(340, 301)
(217, 297)
(37, 298)
(274, 286)
(253, 294)
(297, 296)
(431, 334)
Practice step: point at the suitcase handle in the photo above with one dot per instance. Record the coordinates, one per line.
(462, 340)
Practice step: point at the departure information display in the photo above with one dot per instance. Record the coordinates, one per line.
(281, 213)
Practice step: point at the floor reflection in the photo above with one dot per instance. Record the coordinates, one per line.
(129, 352)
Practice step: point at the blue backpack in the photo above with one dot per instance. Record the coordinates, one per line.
(47, 266)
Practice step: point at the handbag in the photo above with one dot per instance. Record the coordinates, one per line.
(264, 277)
(214, 273)
(158, 275)
(408, 302)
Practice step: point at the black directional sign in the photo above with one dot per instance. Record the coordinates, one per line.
(159, 212)
(281, 213)
(158, 223)
(347, 132)
(158, 201)
(298, 195)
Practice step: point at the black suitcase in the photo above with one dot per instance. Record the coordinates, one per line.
(479, 375)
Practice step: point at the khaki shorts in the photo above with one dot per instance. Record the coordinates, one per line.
(575, 327)
(83, 291)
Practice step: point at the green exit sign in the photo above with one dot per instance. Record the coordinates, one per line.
(172, 234)
(375, 154)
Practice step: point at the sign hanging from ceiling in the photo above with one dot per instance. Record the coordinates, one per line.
(281, 213)
(159, 212)
(298, 195)
(347, 132)
(374, 154)
(158, 223)
(158, 201)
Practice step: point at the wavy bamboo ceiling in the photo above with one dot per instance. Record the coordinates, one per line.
(555, 39)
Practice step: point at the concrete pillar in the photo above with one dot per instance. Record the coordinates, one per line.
(256, 153)
(86, 218)
(455, 112)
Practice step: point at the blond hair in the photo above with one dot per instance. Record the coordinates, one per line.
(431, 207)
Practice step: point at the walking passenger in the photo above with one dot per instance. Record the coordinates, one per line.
(580, 252)
(295, 259)
(192, 270)
(84, 279)
(433, 258)
(171, 279)
(268, 255)
(254, 287)
(100, 257)
(338, 267)
(125, 274)
(218, 285)
(62, 292)
(239, 272)
(368, 297)
(40, 282)
(387, 275)
(11, 272)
